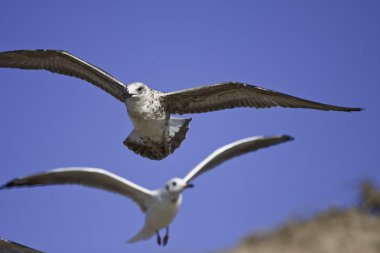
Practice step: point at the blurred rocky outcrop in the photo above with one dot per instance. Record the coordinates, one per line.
(370, 198)
(335, 230)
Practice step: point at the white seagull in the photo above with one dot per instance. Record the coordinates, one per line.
(161, 205)
(156, 133)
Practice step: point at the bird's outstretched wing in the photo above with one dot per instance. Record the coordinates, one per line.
(62, 62)
(7, 246)
(235, 149)
(234, 94)
(92, 177)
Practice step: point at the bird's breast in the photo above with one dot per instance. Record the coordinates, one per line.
(145, 109)
(160, 214)
(148, 118)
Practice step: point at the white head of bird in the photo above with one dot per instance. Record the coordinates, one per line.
(174, 187)
(136, 90)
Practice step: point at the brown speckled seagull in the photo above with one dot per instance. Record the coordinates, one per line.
(156, 133)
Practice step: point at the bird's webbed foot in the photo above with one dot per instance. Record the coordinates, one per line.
(166, 237)
(158, 237)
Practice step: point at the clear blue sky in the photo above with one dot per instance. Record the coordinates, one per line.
(326, 51)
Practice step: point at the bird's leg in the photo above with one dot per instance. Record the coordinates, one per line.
(166, 237)
(158, 237)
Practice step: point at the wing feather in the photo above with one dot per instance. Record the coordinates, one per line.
(64, 63)
(92, 177)
(234, 149)
(234, 94)
(7, 246)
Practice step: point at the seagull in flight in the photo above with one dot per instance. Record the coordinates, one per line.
(161, 205)
(156, 133)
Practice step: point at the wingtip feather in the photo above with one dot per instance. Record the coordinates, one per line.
(8, 185)
(287, 138)
(354, 109)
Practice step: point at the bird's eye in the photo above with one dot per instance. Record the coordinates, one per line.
(174, 183)
(140, 88)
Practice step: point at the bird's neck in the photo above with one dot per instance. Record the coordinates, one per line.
(175, 198)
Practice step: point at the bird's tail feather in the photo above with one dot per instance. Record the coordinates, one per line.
(177, 131)
(156, 151)
(145, 233)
